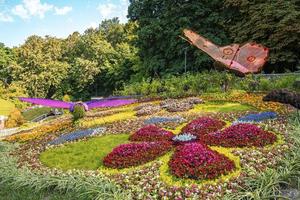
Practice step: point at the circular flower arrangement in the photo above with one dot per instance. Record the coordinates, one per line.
(184, 138)
(193, 159)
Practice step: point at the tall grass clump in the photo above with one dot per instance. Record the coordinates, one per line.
(84, 185)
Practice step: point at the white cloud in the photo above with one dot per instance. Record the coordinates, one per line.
(63, 10)
(5, 18)
(20, 11)
(109, 10)
(35, 8)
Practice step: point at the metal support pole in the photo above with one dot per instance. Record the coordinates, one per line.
(185, 60)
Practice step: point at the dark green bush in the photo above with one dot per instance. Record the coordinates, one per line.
(78, 112)
(206, 82)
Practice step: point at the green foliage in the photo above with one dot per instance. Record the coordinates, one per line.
(34, 113)
(276, 24)
(78, 112)
(15, 119)
(160, 25)
(6, 107)
(41, 67)
(7, 59)
(80, 185)
(82, 155)
(205, 82)
(26, 193)
(12, 91)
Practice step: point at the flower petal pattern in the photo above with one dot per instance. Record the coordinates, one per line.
(203, 126)
(197, 161)
(151, 133)
(240, 135)
(192, 158)
(134, 154)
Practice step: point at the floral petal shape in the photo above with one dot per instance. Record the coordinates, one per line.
(203, 126)
(151, 133)
(197, 161)
(134, 154)
(240, 135)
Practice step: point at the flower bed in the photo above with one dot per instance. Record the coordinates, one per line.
(157, 120)
(203, 126)
(133, 154)
(39, 131)
(76, 135)
(259, 117)
(196, 161)
(151, 133)
(148, 109)
(240, 135)
(176, 105)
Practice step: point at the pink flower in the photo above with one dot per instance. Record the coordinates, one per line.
(192, 159)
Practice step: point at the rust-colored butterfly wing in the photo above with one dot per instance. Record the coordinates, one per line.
(248, 58)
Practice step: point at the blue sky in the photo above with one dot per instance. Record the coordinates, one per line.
(22, 18)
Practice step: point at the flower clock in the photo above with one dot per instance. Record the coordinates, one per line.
(194, 156)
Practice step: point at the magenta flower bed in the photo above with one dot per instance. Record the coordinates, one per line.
(197, 161)
(203, 126)
(240, 135)
(133, 154)
(151, 133)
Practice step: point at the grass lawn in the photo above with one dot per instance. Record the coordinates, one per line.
(6, 107)
(84, 154)
(220, 106)
(34, 113)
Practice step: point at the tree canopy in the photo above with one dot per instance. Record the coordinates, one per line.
(149, 45)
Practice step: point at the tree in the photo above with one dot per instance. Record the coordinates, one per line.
(41, 66)
(7, 59)
(276, 24)
(161, 23)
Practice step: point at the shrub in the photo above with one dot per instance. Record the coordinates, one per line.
(204, 82)
(15, 119)
(78, 112)
(67, 98)
(151, 133)
(203, 126)
(133, 154)
(240, 135)
(197, 161)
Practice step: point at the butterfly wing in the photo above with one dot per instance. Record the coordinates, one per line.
(252, 56)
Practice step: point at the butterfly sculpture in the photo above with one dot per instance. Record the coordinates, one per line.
(241, 59)
(102, 103)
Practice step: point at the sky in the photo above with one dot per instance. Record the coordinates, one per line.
(22, 18)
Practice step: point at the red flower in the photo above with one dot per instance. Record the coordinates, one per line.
(203, 126)
(240, 135)
(192, 159)
(151, 133)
